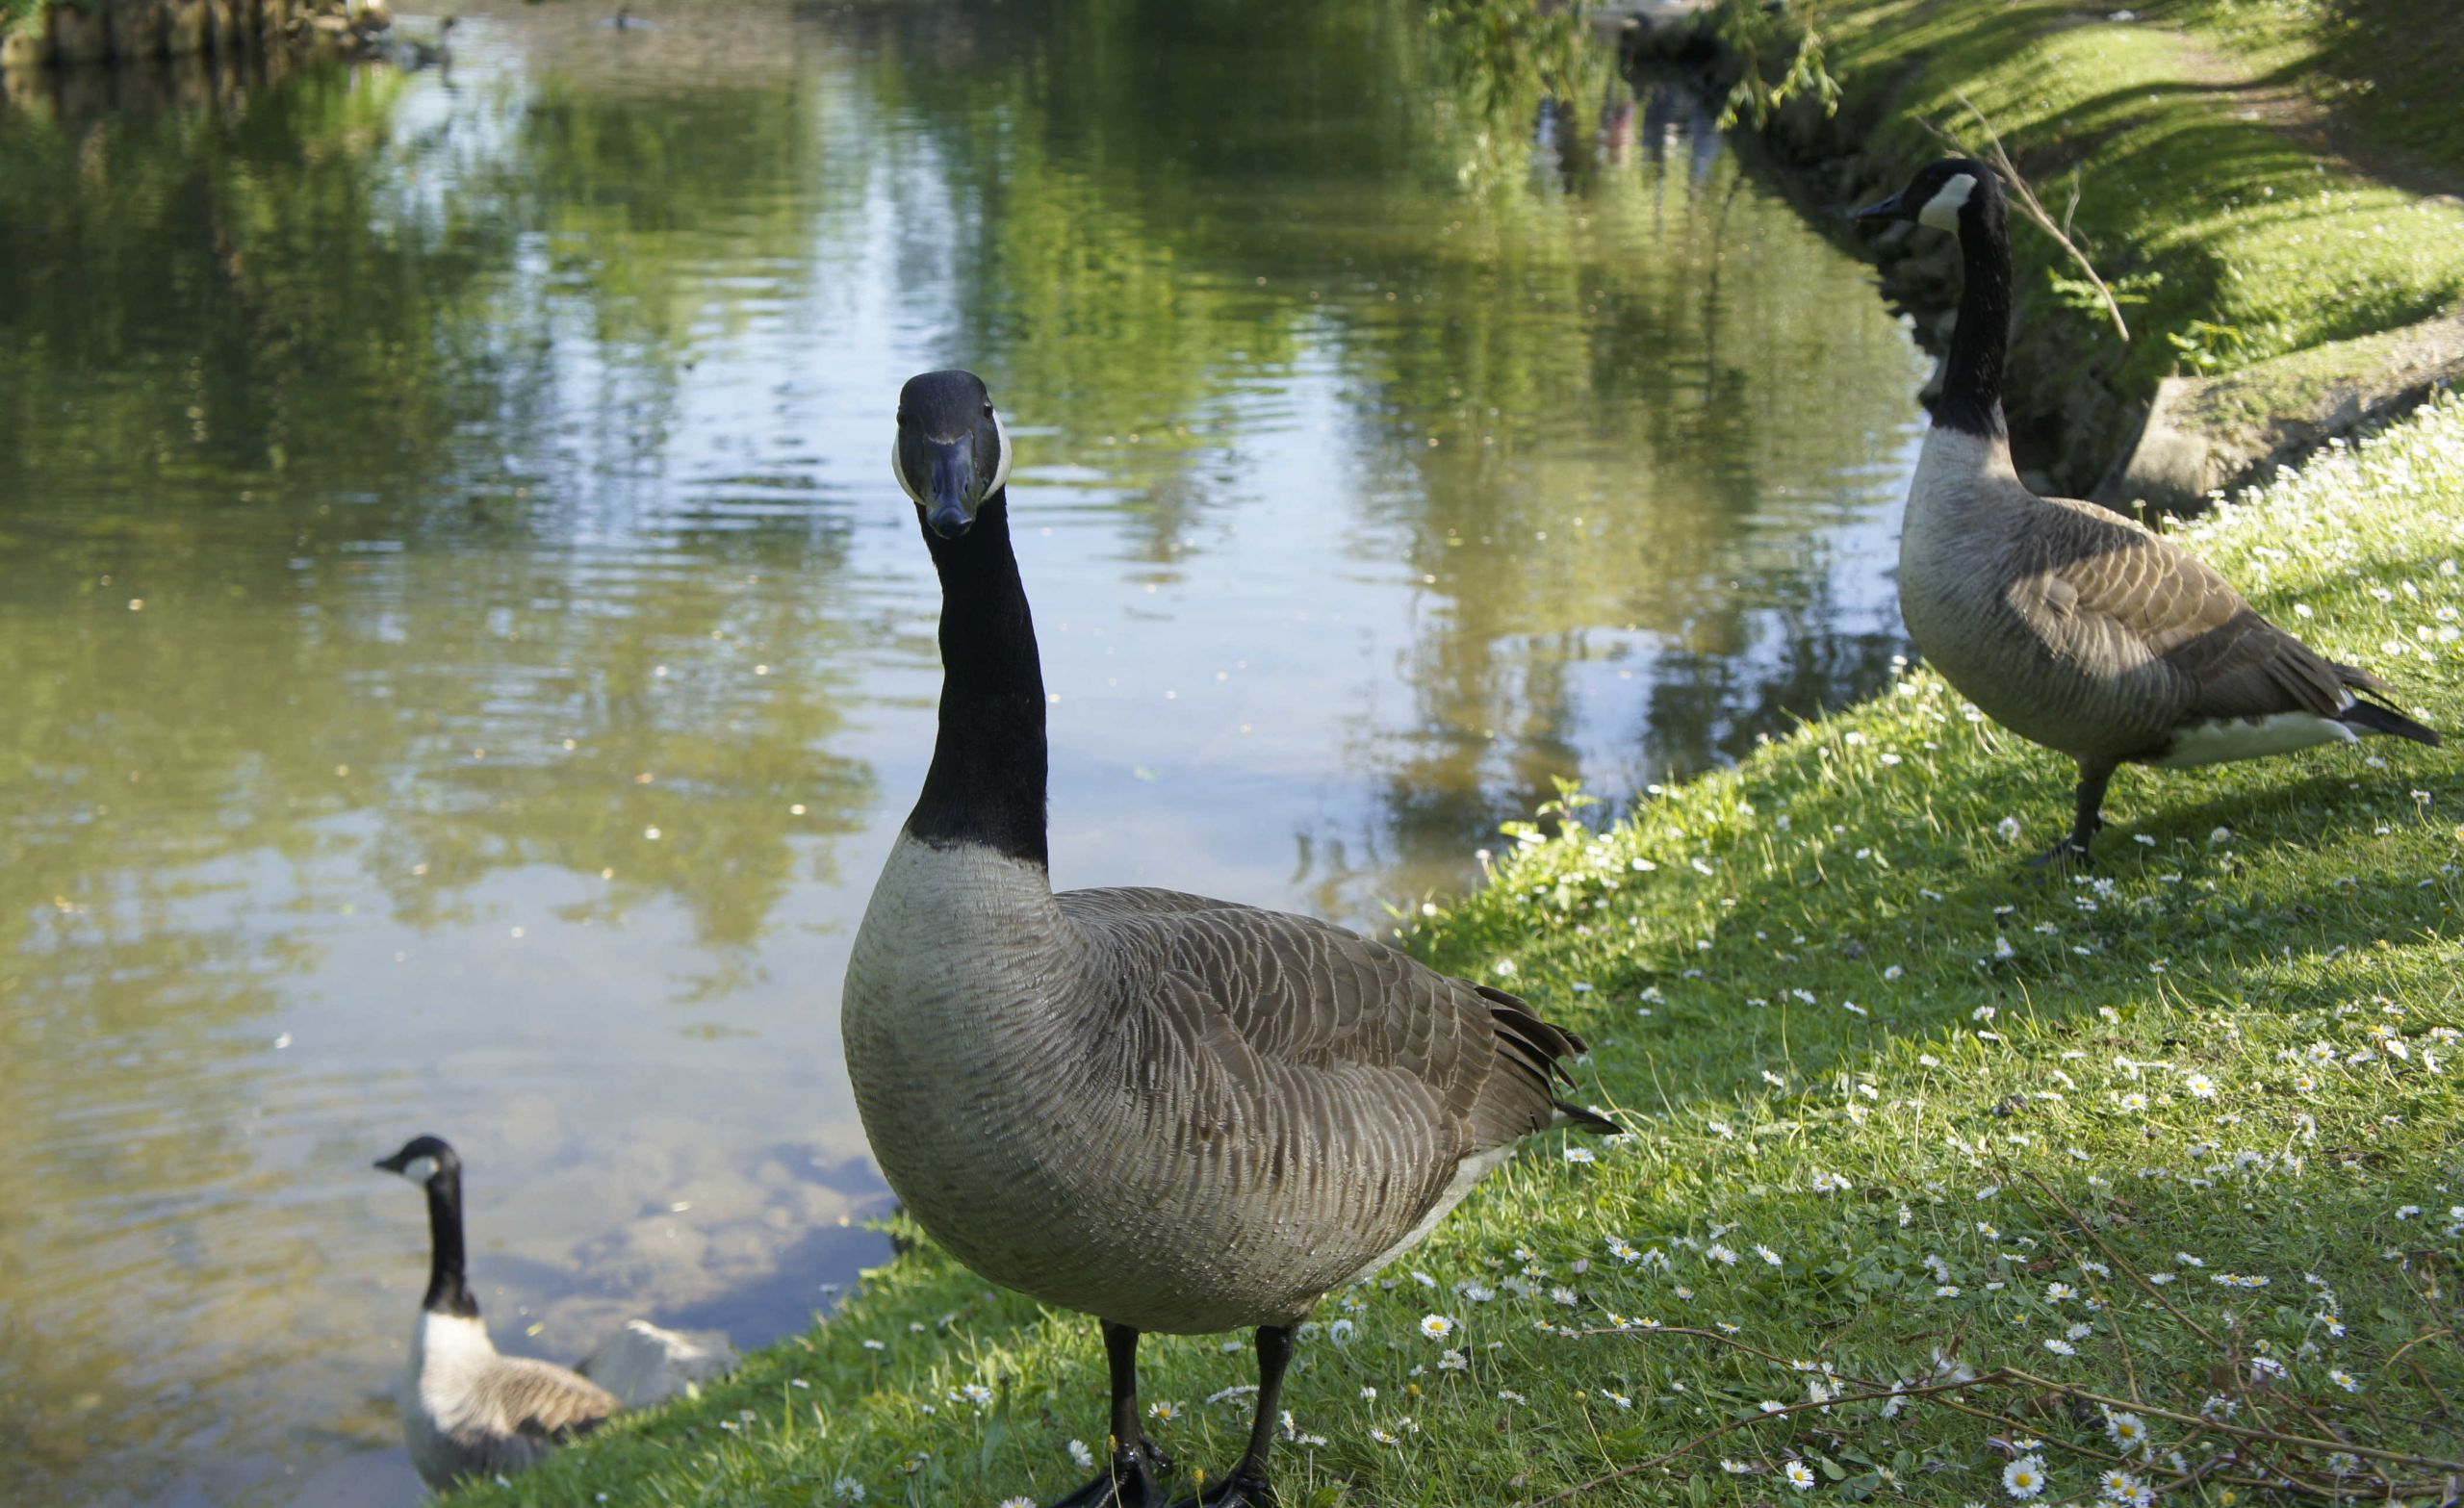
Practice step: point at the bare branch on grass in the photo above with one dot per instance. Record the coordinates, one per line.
(2030, 206)
(2287, 1455)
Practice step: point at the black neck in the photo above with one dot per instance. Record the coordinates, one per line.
(446, 1292)
(1971, 401)
(987, 784)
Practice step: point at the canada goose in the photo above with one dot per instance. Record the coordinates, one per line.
(2070, 626)
(1174, 1114)
(470, 1412)
(415, 55)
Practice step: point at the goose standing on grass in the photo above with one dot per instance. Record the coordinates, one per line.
(2068, 625)
(1174, 1114)
(470, 1412)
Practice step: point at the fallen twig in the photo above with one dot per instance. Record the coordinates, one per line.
(2272, 1474)
(2120, 1261)
(1577, 1489)
(2034, 209)
(2238, 1431)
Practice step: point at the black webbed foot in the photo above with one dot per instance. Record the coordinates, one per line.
(1128, 1483)
(1240, 1490)
(2069, 854)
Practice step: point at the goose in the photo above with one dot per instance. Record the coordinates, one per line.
(470, 1412)
(1174, 1114)
(2068, 625)
(415, 55)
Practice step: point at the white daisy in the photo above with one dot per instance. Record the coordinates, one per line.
(2128, 1430)
(2024, 1478)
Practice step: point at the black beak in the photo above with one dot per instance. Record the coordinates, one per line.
(392, 1165)
(952, 490)
(1880, 210)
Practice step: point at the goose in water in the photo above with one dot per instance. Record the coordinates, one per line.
(2068, 625)
(415, 55)
(470, 1412)
(1174, 1114)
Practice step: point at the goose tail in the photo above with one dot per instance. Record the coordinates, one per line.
(2375, 717)
(1582, 1119)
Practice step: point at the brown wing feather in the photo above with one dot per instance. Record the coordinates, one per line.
(2135, 596)
(545, 1402)
(1302, 993)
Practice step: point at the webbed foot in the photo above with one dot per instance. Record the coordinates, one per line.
(1129, 1482)
(1242, 1489)
(2069, 854)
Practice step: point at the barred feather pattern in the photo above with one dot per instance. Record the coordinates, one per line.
(2087, 633)
(1179, 1113)
(470, 1412)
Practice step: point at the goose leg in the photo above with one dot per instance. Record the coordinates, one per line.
(2087, 823)
(1247, 1487)
(1129, 1477)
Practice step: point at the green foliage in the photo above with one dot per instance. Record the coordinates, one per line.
(1779, 52)
(2207, 346)
(2083, 296)
(1502, 61)
(1901, 1114)
(1506, 54)
(2246, 239)
(17, 14)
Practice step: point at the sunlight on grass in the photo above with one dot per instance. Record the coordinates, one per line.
(2205, 197)
(2151, 1171)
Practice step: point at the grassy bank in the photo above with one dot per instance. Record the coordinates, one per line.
(2253, 179)
(2219, 200)
(2094, 1154)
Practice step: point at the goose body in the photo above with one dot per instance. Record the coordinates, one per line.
(1173, 1112)
(2065, 622)
(472, 1413)
(467, 1411)
(415, 55)
(1180, 1113)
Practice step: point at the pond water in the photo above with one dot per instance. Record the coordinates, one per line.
(466, 658)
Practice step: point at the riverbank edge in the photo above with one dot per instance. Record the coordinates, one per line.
(63, 36)
(1886, 837)
(2176, 216)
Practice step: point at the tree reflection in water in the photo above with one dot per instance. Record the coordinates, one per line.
(459, 628)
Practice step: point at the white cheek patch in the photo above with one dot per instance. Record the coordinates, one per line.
(1000, 473)
(420, 1169)
(1942, 210)
(898, 469)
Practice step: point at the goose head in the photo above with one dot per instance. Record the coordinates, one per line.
(952, 456)
(421, 1158)
(1943, 195)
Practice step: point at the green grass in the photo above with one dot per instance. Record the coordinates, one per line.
(2231, 1050)
(2235, 234)
(2383, 71)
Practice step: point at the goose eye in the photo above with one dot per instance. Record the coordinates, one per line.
(902, 419)
(988, 410)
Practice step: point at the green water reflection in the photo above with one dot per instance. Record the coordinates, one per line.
(465, 660)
